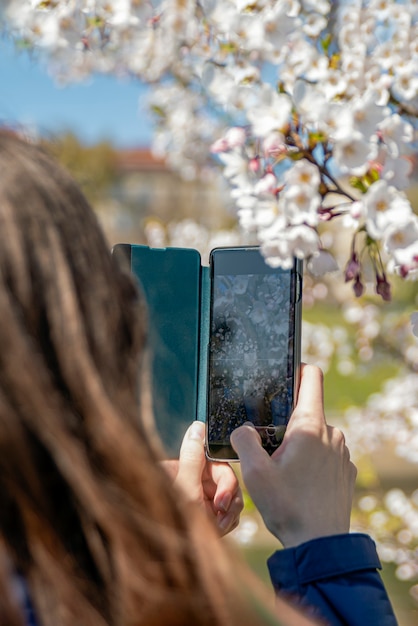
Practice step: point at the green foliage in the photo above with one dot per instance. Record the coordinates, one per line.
(96, 22)
(326, 42)
(93, 167)
(343, 391)
(358, 183)
(46, 4)
(405, 293)
(159, 111)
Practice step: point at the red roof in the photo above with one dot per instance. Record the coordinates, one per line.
(139, 160)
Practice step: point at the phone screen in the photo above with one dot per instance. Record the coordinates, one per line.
(253, 348)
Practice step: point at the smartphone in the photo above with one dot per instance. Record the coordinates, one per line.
(170, 281)
(254, 348)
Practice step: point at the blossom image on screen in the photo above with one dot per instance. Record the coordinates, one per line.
(251, 355)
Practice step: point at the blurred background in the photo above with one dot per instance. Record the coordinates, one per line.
(100, 132)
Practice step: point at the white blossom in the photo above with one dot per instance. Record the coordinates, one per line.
(395, 132)
(384, 207)
(353, 153)
(274, 144)
(322, 262)
(264, 70)
(300, 203)
(405, 85)
(236, 167)
(396, 171)
(367, 114)
(303, 173)
(401, 241)
(296, 241)
(271, 114)
(266, 185)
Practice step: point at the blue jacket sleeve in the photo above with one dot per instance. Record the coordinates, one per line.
(336, 578)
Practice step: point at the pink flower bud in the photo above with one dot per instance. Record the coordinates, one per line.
(383, 287)
(267, 184)
(352, 269)
(358, 287)
(356, 210)
(254, 165)
(325, 215)
(274, 144)
(220, 145)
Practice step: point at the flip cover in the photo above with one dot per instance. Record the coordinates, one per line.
(176, 288)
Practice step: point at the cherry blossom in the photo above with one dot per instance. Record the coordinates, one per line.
(401, 241)
(309, 109)
(384, 206)
(332, 87)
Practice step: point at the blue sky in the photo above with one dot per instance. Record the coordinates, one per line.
(102, 108)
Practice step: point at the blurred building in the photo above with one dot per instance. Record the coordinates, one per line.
(145, 187)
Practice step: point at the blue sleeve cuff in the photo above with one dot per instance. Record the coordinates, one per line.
(322, 558)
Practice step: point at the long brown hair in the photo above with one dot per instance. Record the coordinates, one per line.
(87, 515)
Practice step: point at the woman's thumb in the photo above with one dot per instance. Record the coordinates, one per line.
(192, 460)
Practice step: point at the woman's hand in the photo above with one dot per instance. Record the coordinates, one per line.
(214, 485)
(305, 489)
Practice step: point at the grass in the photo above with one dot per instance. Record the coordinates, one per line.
(342, 391)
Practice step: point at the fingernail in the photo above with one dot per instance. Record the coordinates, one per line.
(224, 521)
(197, 431)
(225, 502)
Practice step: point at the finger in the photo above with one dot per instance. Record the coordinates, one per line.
(226, 486)
(245, 438)
(192, 460)
(236, 506)
(227, 521)
(310, 404)
(247, 444)
(336, 436)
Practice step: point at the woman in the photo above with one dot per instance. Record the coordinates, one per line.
(93, 531)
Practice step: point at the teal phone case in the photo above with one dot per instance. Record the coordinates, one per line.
(176, 288)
